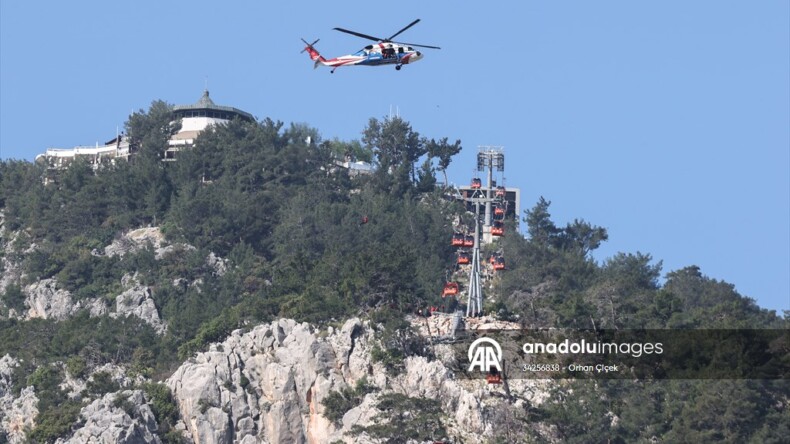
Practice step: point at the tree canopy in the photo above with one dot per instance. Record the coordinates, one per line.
(304, 240)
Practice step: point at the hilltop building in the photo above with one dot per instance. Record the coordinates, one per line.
(194, 119)
(59, 158)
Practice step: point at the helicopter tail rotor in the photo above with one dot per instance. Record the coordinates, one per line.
(309, 45)
(314, 54)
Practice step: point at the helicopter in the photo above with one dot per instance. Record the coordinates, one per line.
(383, 52)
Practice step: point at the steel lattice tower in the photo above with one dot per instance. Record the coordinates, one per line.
(474, 302)
(489, 158)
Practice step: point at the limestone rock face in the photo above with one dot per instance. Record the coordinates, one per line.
(141, 238)
(45, 300)
(219, 264)
(267, 386)
(11, 269)
(262, 386)
(11, 274)
(16, 413)
(136, 300)
(135, 240)
(122, 417)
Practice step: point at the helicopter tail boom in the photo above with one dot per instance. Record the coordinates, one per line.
(314, 54)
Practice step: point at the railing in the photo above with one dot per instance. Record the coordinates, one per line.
(86, 150)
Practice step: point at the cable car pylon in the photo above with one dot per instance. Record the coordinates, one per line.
(489, 158)
(474, 302)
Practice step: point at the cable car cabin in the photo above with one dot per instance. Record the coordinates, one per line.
(469, 241)
(500, 191)
(476, 183)
(493, 377)
(499, 211)
(458, 240)
(499, 263)
(498, 229)
(464, 258)
(450, 289)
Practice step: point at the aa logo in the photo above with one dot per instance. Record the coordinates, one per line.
(485, 354)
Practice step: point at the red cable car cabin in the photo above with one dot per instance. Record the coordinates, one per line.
(498, 229)
(450, 289)
(469, 241)
(476, 183)
(464, 258)
(499, 211)
(499, 263)
(458, 240)
(493, 377)
(500, 191)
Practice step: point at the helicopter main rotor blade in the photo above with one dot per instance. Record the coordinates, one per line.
(404, 28)
(419, 46)
(358, 34)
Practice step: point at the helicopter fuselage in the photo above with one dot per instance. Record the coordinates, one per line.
(387, 54)
(371, 55)
(383, 52)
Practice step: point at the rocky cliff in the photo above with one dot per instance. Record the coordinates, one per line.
(268, 384)
(17, 413)
(265, 384)
(123, 417)
(46, 299)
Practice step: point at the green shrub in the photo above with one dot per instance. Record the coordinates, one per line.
(336, 404)
(55, 422)
(76, 366)
(102, 383)
(14, 298)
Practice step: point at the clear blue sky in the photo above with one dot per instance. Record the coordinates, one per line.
(665, 122)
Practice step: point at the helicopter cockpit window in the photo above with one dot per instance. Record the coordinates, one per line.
(409, 48)
(400, 50)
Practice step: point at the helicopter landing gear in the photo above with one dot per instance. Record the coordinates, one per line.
(398, 67)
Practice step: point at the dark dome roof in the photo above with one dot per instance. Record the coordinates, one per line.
(205, 103)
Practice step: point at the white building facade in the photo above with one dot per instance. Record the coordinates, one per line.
(194, 119)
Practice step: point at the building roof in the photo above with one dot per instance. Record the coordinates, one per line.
(205, 103)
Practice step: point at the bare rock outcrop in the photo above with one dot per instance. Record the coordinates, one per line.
(267, 386)
(45, 300)
(141, 238)
(136, 300)
(136, 240)
(17, 413)
(10, 268)
(218, 264)
(262, 386)
(122, 417)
